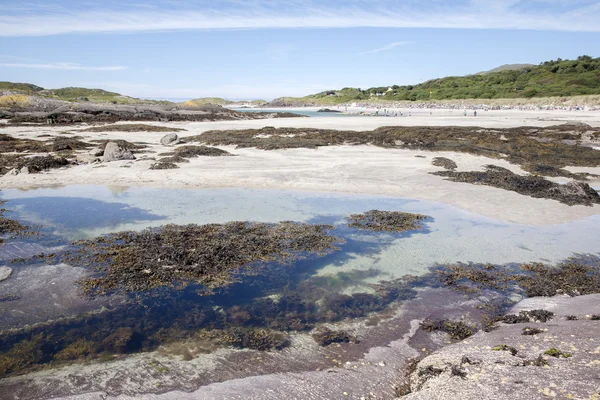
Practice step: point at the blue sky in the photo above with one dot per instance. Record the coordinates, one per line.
(268, 48)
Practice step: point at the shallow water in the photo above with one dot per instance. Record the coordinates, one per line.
(274, 297)
(451, 235)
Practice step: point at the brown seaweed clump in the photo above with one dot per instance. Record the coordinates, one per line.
(42, 163)
(456, 329)
(161, 164)
(197, 151)
(572, 193)
(445, 163)
(386, 221)
(205, 254)
(575, 276)
(326, 336)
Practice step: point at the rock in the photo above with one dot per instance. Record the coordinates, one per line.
(97, 152)
(5, 273)
(13, 171)
(328, 110)
(114, 152)
(86, 158)
(474, 368)
(24, 170)
(169, 139)
(578, 189)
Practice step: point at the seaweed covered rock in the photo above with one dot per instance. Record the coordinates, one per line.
(456, 329)
(205, 254)
(572, 193)
(386, 221)
(198, 151)
(445, 163)
(326, 336)
(115, 152)
(41, 163)
(164, 165)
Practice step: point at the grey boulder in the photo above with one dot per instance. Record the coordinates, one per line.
(169, 139)
(114, 152)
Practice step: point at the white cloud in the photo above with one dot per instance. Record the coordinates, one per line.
(387, 47)
(579, 15)
(62, 66)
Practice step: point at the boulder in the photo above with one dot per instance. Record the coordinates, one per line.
(13, 171)
(24, 170)
(169, 139)
(114, 152)
(97, 152)
(86, 158)
(5, 273)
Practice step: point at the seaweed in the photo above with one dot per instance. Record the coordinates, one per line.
(445, 163)
(386, 221)
(531, 331)
(554, 352)
(542, 316)
(325, 336)
(41, 163)
(63, 143)
(575, 276)
(456, 329)
(206, 254)
(520, 145)
(161, 164)
(189, 151)
(572, 193)
(505, 347)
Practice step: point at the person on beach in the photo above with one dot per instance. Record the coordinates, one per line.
(475, 113)
(465, 113)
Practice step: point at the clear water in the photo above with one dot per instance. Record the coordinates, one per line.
(48, 293)
(452, 235)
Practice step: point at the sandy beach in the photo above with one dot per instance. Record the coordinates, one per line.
(349, 169)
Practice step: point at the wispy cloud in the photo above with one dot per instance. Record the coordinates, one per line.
(62, 66)
(553, 15)
(387, 47)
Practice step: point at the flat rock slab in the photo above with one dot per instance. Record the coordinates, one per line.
(5, 273)
(473, 370)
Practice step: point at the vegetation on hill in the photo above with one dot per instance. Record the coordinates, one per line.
(550, 78)
(20, 87)
(507, 67)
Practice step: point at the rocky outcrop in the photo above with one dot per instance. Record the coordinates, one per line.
(530, 360)
(114, 152)
(169, 139)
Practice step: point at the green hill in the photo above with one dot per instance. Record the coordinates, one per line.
(77, 93)
(20, 87)
(549, 79)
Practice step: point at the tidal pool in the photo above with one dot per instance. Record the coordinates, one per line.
(281, 297)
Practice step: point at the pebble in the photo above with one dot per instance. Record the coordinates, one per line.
(381, 364)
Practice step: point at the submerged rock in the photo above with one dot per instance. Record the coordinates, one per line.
(115, 152)
(169, 139)
(5, 273)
